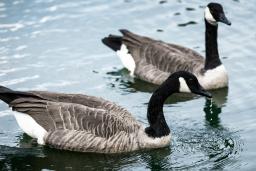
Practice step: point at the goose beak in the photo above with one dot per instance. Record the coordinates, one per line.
(223, 19)
(202, 92)
(205, 93)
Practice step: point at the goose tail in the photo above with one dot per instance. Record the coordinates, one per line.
(112, 41)
(130, 39)
(7, 95)
(127, 47)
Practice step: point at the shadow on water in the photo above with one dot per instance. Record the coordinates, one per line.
(38, 158)
(121, 79)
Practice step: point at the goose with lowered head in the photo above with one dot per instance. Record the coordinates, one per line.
(90, 124)
(153, 60)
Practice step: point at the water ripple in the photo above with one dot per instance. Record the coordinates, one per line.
(46, 86)
(7, 71)
(12, 27)
(18, 80)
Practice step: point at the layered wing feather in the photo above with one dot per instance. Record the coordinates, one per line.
(77, 127)
(77, 122)
(156, 60)
(89, 101)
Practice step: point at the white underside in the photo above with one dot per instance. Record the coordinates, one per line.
(148, 142)
(31, 127)
(214, 78)
(126, 59)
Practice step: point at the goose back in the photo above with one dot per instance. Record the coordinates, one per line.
(78, 122)
(155, 60)
(86, 100)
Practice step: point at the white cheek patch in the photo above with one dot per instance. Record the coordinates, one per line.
(183, 86)
(208, 16)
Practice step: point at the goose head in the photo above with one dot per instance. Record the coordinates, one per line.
(214, 13)
(177, 82)
(187, 82)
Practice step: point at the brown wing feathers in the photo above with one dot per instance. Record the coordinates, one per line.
(53, 115)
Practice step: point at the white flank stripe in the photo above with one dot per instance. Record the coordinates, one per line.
(126, 59)
(31, 127)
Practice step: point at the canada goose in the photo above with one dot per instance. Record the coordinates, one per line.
(90, 124)
(153, 60)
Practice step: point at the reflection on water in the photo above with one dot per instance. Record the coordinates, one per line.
(213, 107)
(212, 112)
(64, 160)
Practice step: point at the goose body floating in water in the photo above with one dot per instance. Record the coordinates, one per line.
(90, 124)
(152, 60)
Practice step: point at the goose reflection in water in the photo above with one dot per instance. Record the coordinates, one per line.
(229, 144)
(213, 107)
(40, 158)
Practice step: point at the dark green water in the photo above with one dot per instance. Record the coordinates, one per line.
(55, 45)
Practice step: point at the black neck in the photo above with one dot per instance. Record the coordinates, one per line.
(157, 124)
(211, 45)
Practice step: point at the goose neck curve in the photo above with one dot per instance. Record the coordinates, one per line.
(157, 123)
(211, 46)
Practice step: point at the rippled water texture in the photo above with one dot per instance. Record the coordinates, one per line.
(56, 45)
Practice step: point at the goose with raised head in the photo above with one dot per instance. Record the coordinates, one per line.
(153, 60)
(90, 124)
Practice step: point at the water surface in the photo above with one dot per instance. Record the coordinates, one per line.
(55, 45)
